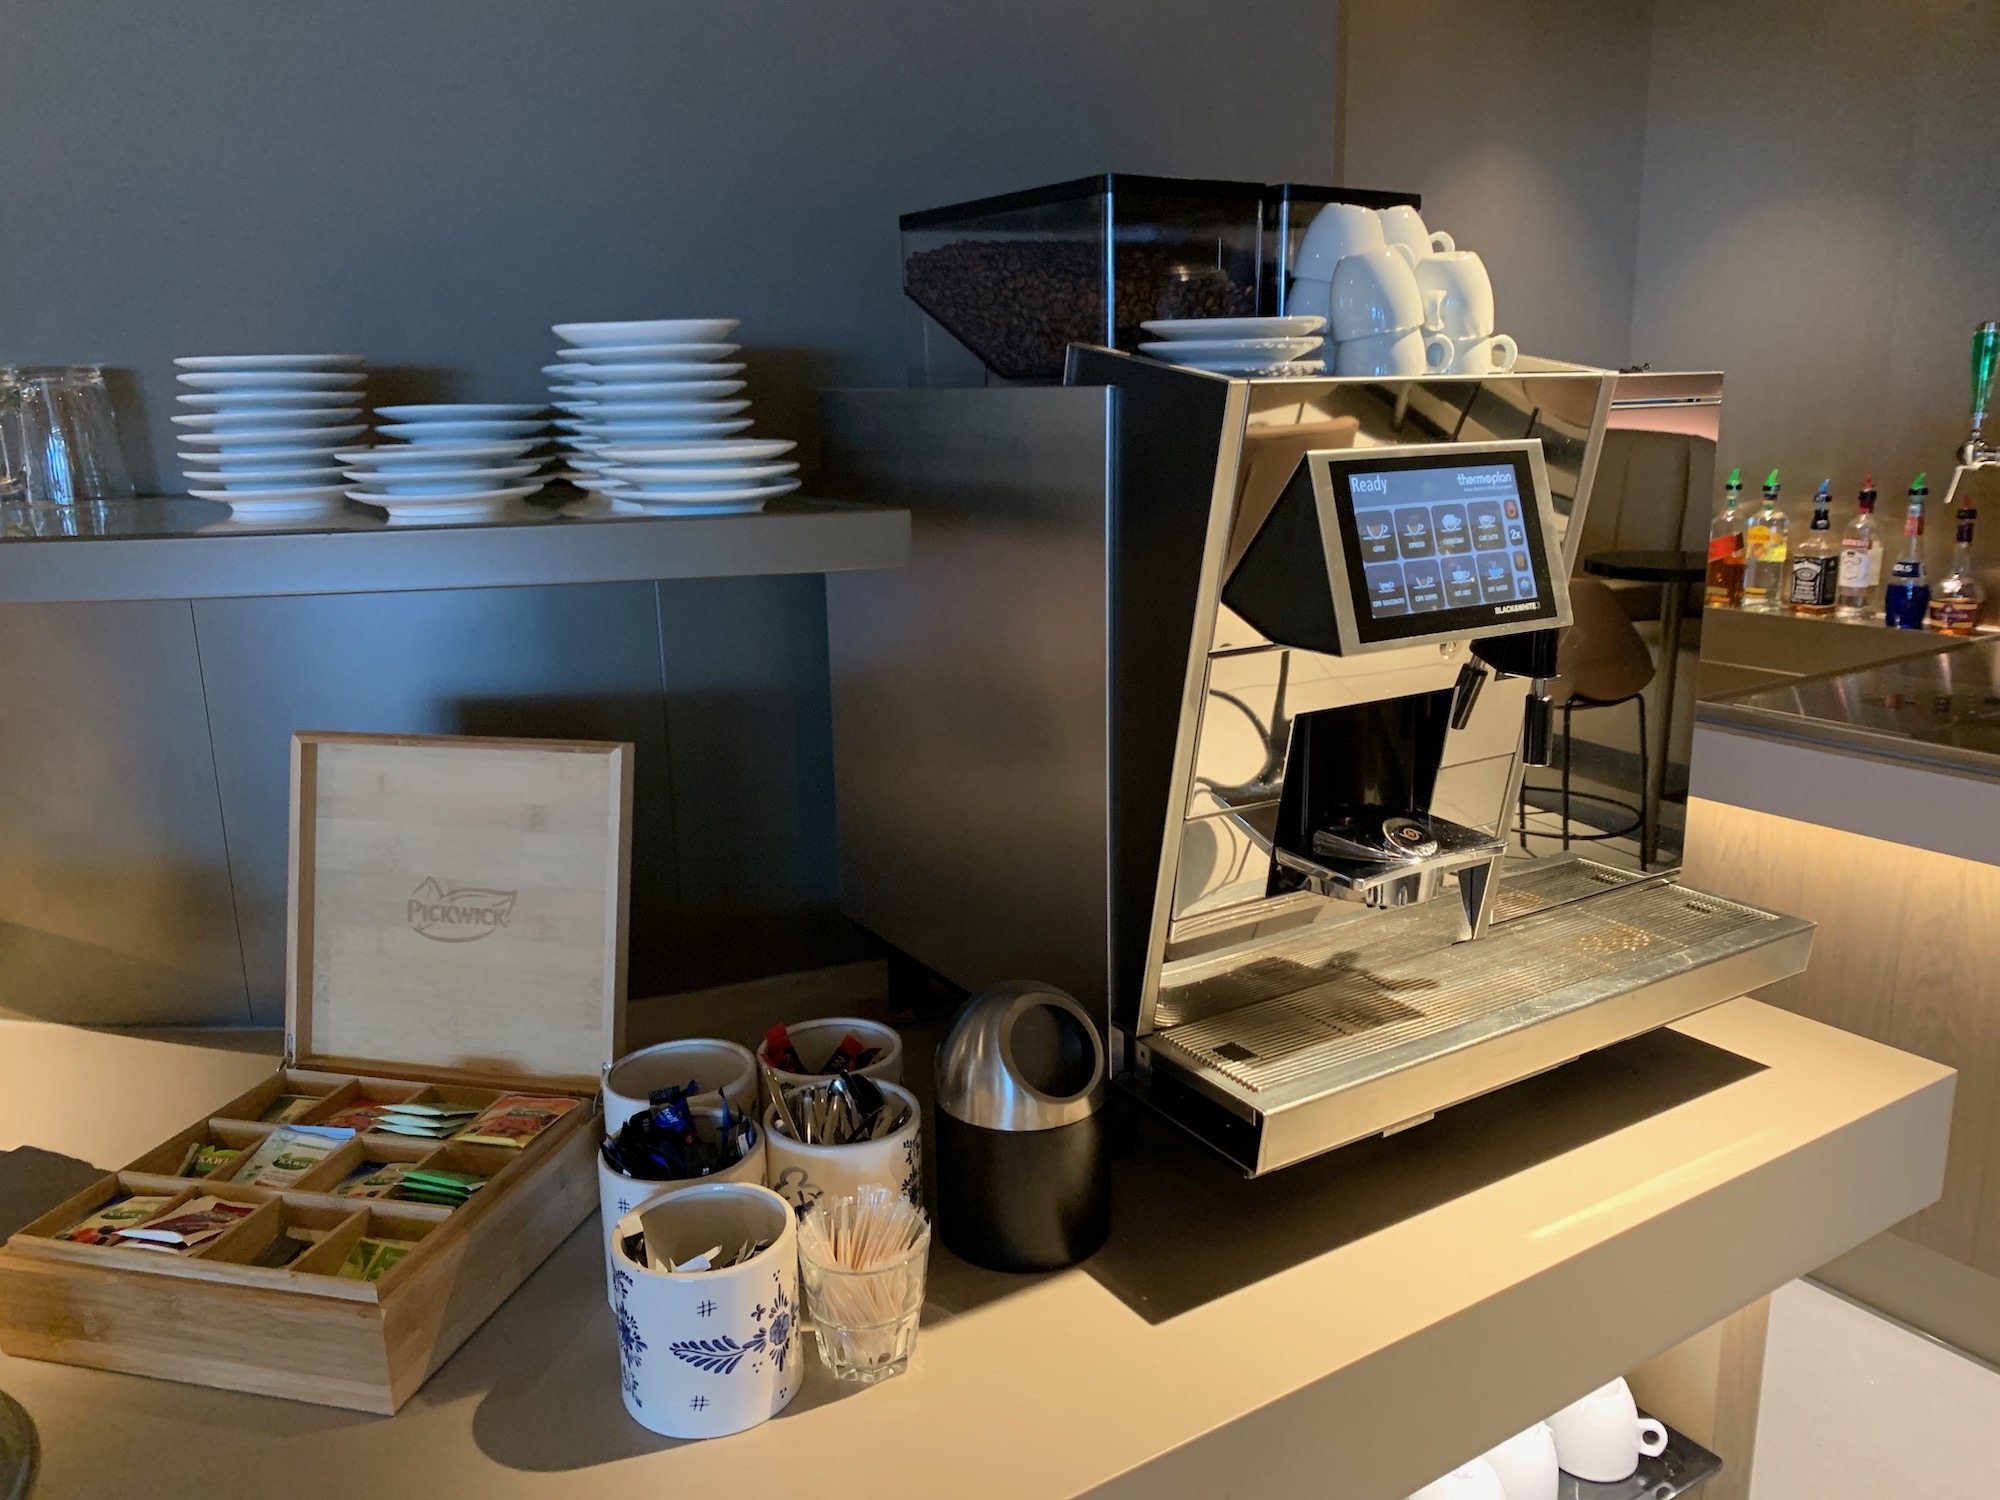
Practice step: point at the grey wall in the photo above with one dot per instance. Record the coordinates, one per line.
(1819, 221)
(432, 186)
(1523, 126)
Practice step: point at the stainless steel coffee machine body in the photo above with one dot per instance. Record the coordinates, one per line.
(1162, 714)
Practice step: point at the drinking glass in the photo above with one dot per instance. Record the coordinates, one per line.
(866, 1321)
(60, 417)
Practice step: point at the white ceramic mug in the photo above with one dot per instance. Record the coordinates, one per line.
(1405, 353)
(1457, 293)
(1601, 1436)
(1526, 1464)
(1403, 225)
(1375, 291)
(1336, 232)
(802, 1174)
(1309, 299)
(618, 1194)
(719, 1067)
(703, 1354)
(1470, 1481)
(1493, 355)
(816, 1040)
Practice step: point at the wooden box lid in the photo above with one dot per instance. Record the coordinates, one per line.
(458, 904)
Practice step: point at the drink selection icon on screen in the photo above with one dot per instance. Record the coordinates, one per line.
(1441, 538)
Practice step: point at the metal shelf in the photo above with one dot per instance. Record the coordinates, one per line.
(178, 548)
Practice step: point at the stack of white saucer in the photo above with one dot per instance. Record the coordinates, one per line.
(695, 478)
(264, 427)
(661, 380)
(450, 462)
(1238, 346)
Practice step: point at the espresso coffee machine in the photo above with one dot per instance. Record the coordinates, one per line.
(1208, 700)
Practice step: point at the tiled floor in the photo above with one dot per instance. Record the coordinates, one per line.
(1858, 1408)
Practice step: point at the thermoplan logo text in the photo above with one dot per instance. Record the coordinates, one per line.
(460, 914)
(1480, 477)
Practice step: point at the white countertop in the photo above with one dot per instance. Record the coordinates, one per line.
(1351, 1326)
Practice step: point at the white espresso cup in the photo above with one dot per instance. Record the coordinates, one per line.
(1474, 1480)
(1336, 232)
(1493, 355)
(702, 1354)
(618, 1194)
(803, 1174)
(719, 1067)
(1375, 291)
(1405, 353)
(1403, 225)
(1601, 1436)
(1309, 299)
(1526, 1464)
(1457, 293)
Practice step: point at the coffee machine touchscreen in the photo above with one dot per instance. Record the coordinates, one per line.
(1435, 545)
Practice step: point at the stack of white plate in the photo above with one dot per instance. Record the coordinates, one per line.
(262, 429)
(696, 478)
(665, 380)
(1239, 346)
(450, 462)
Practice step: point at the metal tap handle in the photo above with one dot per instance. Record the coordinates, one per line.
(1985, 356)
(1465, 693)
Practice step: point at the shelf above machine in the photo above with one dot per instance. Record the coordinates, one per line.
(172, 547)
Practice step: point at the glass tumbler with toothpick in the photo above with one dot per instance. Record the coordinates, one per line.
(862, 1262)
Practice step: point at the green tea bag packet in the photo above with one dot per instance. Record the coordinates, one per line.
(427, 1130)
(371, 1179)
(424, 1110)
(438, 1177)
(204, 1160)
(370, 1258)
(286, 1108)
(289, 1153)
(102, 1226)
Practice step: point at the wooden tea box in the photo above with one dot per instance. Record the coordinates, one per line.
(456, 932)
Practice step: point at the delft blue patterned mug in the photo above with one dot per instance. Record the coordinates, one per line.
(618, 1194)
(703, 1354)
(802, 1174)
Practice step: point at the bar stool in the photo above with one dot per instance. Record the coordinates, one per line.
(1604, 664)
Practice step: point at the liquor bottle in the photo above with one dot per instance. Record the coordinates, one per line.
(1956, 601)
(1725, 548)
(1765, 549)
(1815, 567)
(1907, 599)
(1860, 559)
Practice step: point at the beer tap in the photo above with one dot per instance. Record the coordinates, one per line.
(1975, 452)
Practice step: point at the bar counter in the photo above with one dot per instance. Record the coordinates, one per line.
(1351, 1326)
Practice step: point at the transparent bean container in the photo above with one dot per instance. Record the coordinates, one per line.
(1289, 207)
(1011, 282)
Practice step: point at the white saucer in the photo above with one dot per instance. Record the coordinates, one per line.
(653, 411)
(270, 361)
(670, 475)
(636, 373)
(248, 401)
(462, 411)
(403, 479)
(311, 476)
(703, 495)
(275, 497)
(424, 434)
(436, 455)
(622, 505)
(651, 432)
(270, 380)
(278, 437)
(748, 450)
(1208, 329)
(619, 354)
(277, 456)
(1262, 351)
(1254, 367)
(655, 331)
(446, 501)
(260, 421)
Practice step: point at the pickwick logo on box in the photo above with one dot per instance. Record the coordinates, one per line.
(459, 914)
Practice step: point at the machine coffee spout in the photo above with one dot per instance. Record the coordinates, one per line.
(1531, 655)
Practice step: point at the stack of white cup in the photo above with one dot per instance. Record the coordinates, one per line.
(1400, 299)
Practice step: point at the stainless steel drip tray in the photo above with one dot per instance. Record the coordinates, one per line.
(1342, 1030)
